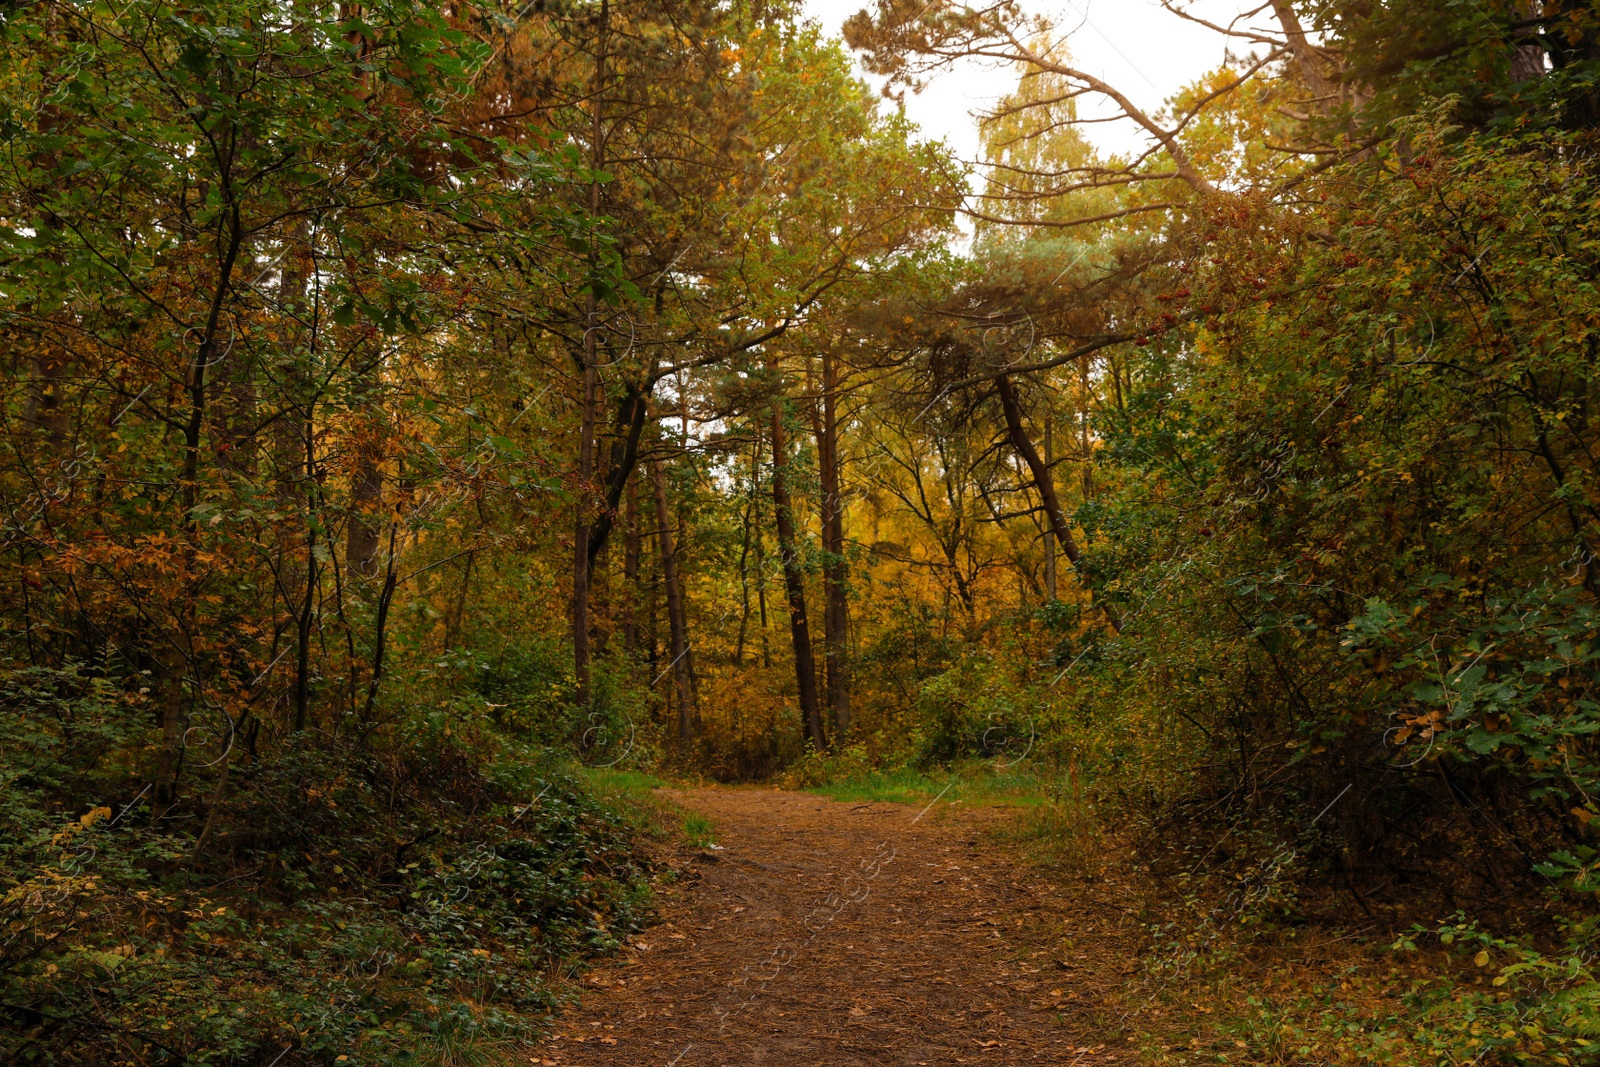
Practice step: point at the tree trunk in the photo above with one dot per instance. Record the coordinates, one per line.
(1085, 446)
(1041, 477)
(1049, 528)
(205, 356)
(805, 667)
(627, 430)
(583, 523)
(366, 493)
(292, 455)
(761, 599)
(305, 610)
(682, 665)
(652, 624)
(630, 572)
(381, 626)
(600, 604)
(458, 612)
(836, 606)
(744, 552)
(1308, 59)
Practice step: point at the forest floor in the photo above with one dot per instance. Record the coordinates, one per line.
(825, 932)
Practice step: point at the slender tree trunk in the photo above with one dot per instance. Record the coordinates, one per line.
(744, 552)
(805, 666)
(1041, 477)
(744, 588)
(630, 572)
(682, 665)
(166, 776)
(205, 356)
(583, 525)
(1049, 528)
(458, 612)
(761, 598)
(836, 604)
(1085, 446)
(381, 629)
(600, 603)
(627, 430)
(366, 495)
(291, 449)
(305, 611)
(652, 629)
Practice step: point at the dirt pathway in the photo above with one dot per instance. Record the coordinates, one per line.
(824, 933)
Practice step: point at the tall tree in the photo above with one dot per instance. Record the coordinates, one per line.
(835, 574)
(682, 665)
(805, 664)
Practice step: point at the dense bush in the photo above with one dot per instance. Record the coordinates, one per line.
(396, 904)
(1352, 538)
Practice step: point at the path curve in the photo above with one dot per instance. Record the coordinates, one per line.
(841, 934)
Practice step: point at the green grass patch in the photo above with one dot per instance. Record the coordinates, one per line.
(633, 795)
(699, 830)
(611, 781)
(972, 783)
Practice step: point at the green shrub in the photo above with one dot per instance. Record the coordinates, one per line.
(972, 709)
(410, 901)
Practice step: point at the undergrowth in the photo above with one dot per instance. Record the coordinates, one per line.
(423, 903)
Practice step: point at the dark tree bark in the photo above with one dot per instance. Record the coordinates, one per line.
(682, 664)
(761, 599)
(206, 353)
(1049, 528)
(582, 523)
(805, 666)
(750, 532)
(381, 627)
(584, 519)
(291, 452)
(366, 493)
(305, 616)
(630, 572)
(836, 605)
(600, 604)
(1046, 485)
(458, 611)
(623, 457)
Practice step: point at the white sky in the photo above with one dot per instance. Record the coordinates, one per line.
(1145, 52)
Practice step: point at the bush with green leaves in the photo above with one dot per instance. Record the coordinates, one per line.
(973, 709)
(392, 905)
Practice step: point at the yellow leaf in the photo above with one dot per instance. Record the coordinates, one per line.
(1482, 958)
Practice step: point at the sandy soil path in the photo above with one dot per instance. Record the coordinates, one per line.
(839, 934)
